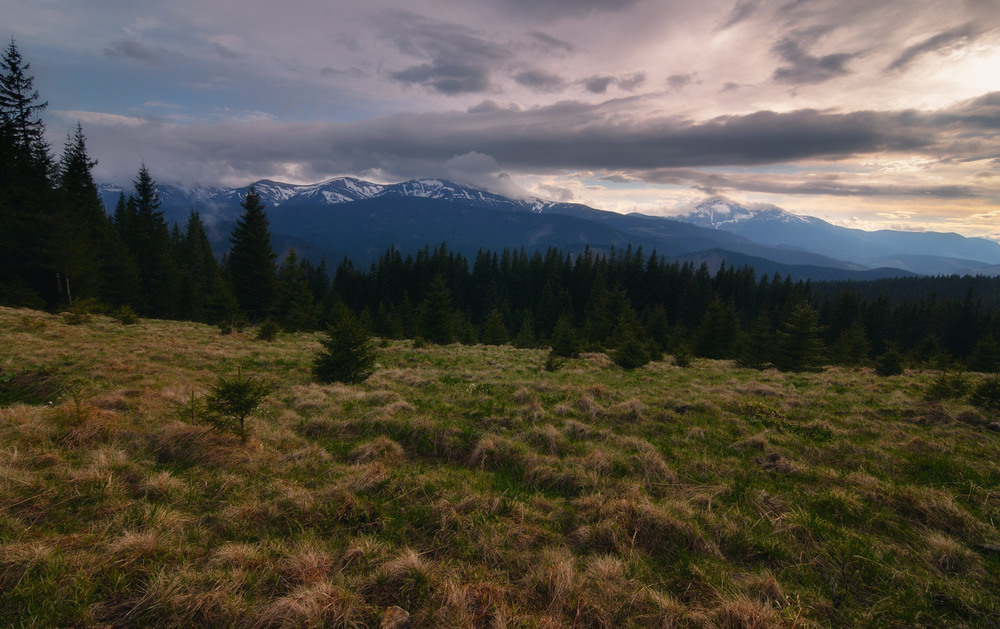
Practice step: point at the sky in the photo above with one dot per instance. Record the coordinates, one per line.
(866, 114)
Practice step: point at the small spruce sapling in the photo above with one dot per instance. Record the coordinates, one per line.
(232, 400)
(348, 352)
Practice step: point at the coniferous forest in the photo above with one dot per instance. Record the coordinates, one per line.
(61, 249)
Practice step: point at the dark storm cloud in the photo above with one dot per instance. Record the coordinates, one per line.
(742, 11)
(940, 41)
(447, 77)
(550, 42)
(599, 84)
(131, 49)
(803, 68)
(808, 184)
(679, 81)
(566, 8)
(224, 52)
(540, 81)
(460, 59)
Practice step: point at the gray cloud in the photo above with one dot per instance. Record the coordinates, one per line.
(568, 135)
(446, 77)
(940, 41)
(552, 43)
(461, 59)
(741, 11)
(224, 52)
(566, 8)
(804, 68)
(131, 49)
(599, 84)
(808, 184)
(540, 80)
(680, 81)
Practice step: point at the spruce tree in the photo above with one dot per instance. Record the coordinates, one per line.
(199, 272)
(494, 330)
(151, 248)
(26, 203)
(295, 308)
(348, 351)
(799, 345)
(437, 320)
(252, 260)
(718, 331)
(81, 230)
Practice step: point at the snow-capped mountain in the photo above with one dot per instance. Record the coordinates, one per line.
(919, 252)
(719, 213)
(360, 219)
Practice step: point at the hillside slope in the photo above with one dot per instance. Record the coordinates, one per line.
(469, 487)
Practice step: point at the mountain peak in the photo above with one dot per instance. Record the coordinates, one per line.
(722, 213)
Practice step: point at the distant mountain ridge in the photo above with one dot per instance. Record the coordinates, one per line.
(928, 253)
(346, 216)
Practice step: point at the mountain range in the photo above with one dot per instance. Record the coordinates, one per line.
(360, 220)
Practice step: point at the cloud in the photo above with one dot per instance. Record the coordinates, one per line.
(741, 12)
(804, 68)
(540, 80)
(131, 49)
(943, 40)
(599, 84)
(461, 59)
(447, 77)
(566, 8)
(566, 136)
(550, 42)
(680, 81)
(224, 52)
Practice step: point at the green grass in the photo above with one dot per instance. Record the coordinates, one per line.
(474, 488)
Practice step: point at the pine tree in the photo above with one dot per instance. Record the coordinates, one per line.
(199, 272)
(150, 245)
(20, 106)
(81, 230)
(756, 347)
(494, 330)
(295, 308)
(348, 352)
(718, 331)
(26, 276)
(799, 346)
(437, 320)
(851, 347)
(631, 348)
(252, 260)
(565, 342)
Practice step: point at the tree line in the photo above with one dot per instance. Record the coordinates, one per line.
(59, 247)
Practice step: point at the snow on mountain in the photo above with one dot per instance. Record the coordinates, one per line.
(719, 213)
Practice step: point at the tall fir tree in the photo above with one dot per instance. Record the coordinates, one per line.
(199, 272)
(252, 261)
(151, 248)
(26, 277)
(81, 230)
(799, 346)
(295, 309)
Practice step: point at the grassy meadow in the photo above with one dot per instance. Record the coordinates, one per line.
(472, 488)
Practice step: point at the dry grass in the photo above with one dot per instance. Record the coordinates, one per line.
(471, 488)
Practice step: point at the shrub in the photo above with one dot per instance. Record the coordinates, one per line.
(890, 363)
(232, 400)
(125, 315)
(348, 352)
(268, 331)
(986, 395)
